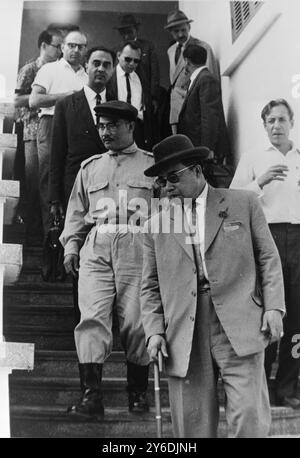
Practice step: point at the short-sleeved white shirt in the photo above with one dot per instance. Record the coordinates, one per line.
(58, 77)
(280, 200)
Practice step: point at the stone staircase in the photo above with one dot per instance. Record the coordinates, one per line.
(39, 312)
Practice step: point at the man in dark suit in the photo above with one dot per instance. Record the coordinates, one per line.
(75, 136)
(202, 116)
(129, 28)
(179, 26)
(212, 296)
(128, 85)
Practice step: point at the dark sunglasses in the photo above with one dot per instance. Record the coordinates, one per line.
(171, 177)
(130, 59)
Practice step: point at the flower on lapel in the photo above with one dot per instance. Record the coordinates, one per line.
(223, 213)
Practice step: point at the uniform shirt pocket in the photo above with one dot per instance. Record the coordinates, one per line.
(139, 188)
(96, 193)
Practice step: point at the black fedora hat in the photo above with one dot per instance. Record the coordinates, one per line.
(174, 149)
(127, 20)
(175, 18)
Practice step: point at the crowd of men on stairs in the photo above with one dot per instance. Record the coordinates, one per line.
(96, 122)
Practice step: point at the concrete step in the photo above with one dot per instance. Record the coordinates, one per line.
(54, 316)
(35, 390)
(33, 276)
(49, 294)
(42, 337)
(51, 421)
(14, 233)
(65, 363)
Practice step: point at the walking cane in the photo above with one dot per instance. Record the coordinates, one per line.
(157, 370)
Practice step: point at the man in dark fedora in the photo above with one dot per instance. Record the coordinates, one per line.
(128, 28)
(211, 296)
(105, 194)
(179, 26)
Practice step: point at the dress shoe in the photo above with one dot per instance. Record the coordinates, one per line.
(137, 402)
(289, 401)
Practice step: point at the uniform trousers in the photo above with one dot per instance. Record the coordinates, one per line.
(109, 278)
(194, 399)
(287, 239)
(43, 144)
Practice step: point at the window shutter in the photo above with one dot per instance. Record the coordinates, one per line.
(241, 14)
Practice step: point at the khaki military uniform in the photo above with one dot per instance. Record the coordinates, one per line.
(111, 257)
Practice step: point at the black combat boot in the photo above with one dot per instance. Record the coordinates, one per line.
(137, 380)
(90, 406)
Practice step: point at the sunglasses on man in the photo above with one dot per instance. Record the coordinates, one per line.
(171, 177)
(130, 59)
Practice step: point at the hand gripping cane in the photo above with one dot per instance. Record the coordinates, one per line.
(157, 370)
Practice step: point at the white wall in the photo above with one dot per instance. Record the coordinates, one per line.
(10, 34)
(265, 73)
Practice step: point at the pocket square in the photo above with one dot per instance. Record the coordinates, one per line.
(231, 226)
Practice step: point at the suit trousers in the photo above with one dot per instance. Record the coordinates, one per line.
(34, 219)
(287, 239)
(109, 278)
(194, 398)
(43, 144)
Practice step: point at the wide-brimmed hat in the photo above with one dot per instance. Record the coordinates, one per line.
(117, 109)
(175, 18)
(174, 149)
(127, 20)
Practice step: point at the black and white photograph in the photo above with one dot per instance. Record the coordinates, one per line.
(149, 222)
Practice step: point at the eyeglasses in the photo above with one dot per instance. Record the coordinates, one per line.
(109, 125)
(76, 45)
(55, 46)
(130, 59)
(171, 177)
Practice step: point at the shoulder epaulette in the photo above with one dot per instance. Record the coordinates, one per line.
(90, 159)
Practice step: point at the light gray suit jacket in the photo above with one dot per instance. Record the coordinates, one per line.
(244, 273)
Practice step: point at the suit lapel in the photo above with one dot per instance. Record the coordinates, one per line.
(183, 237)
(193, 85)
(215, 205)
(81, 107)
(112, 87)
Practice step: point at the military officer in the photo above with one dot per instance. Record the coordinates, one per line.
(103, 214)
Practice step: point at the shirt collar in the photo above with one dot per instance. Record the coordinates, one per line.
(185, 43)
(64, 63)
(203, 196)
(91, 94)
(120, 71)
(196, 72)
(270, 147)
(129, 150)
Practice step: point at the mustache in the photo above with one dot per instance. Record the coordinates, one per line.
(107, 138)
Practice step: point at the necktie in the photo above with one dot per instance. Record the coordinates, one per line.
(98, 102)
(128, 100)
(196, 245)
(177, 53)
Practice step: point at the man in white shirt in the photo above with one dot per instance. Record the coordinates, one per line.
(273, 173)
(129, 87)
(49, 44)
(179, 26)
(53, 82)
(199, 298)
